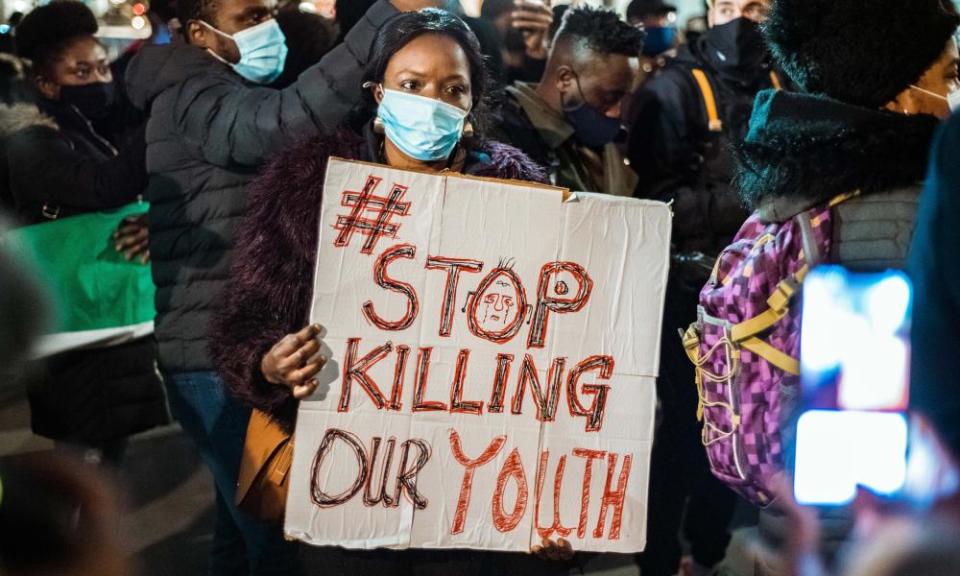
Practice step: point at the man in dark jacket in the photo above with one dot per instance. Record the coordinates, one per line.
(683, 124)
(212, 124)
(569, 121)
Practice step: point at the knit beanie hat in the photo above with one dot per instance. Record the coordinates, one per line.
(862, 52)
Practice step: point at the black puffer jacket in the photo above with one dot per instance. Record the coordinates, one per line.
(53, 158)
(209, 131)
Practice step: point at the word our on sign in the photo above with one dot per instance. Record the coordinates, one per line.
(493, 351)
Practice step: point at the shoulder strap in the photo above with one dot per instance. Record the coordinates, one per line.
(747, 333)
(709, 100)
(775, 80)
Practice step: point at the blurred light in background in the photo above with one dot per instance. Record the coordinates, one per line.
(855, 329)
(838, 451)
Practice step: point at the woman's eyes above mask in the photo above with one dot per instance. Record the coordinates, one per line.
(84, 72)
(413, 85)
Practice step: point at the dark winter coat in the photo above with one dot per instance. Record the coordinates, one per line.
(935, 269)
(92, 397)
(209, 131)
(272, 278)
(55, 165)
(677, 157)
(802, 151)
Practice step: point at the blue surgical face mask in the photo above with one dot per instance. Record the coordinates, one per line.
(592, 127)
(263, 52)
(659, 39)
(422, 128)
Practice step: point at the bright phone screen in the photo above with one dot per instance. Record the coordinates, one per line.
(854, 363)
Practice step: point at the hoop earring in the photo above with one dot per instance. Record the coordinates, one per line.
(378, 126)
(468, 131)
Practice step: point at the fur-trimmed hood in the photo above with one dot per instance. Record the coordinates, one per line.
(804, 149)
(20, 116)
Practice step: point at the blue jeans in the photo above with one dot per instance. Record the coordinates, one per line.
(217, 424)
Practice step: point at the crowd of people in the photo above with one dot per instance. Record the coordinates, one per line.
(220, 129)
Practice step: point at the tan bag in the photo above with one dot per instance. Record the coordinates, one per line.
(263, 482)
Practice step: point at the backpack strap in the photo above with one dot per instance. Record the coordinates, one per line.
(778, 306)
(841, 198)
(691, 344)
(775, 80)
(746, 333)
(714, 124)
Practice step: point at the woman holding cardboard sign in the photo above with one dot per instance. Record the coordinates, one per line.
(427, 81)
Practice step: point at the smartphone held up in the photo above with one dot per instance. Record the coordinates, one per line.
(854, 429)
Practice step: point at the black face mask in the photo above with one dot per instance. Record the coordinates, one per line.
(593, 128)
(92, 100)
(736, 48)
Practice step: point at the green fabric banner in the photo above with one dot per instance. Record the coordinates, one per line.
(93, 286)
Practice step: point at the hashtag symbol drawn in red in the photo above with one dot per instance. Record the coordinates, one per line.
(382, 208)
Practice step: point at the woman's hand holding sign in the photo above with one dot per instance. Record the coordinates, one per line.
(293, 362)
(557, 551)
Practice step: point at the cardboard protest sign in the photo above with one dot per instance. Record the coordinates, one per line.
(493, 348)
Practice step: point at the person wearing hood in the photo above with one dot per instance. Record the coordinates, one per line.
(682, 124)
(213, 122)
(874, 80)
(55, 165)
(570, 120)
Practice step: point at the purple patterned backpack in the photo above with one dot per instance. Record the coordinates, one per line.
(745, 346)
